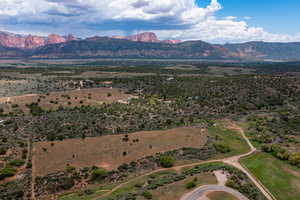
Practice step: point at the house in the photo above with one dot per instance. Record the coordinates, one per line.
(170, 78)
(2, 122)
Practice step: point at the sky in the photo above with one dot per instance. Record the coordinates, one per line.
(215, 21)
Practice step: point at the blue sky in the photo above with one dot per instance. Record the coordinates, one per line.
(277, 16)
(216, 21)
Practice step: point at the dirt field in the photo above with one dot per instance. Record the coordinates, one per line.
(67, 99)
(107, 151)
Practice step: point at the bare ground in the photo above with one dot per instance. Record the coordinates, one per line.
(108, 151)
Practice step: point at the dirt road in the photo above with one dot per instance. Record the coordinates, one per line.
(232, 161)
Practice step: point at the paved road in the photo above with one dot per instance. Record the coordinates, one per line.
(201, 192)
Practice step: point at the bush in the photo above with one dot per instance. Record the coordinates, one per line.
(99, 174)
(3, 151)
(222, 148)
(17, 163)
(29, 165)
(67, 183)
(147, 195)
(70, 169)
(166, 161)
(7, 172)
(35, 109)
(190, 184)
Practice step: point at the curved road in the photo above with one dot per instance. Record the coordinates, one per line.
(202, 191)
(233, 161)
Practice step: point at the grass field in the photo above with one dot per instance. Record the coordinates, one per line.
(219, 195)
(108, 151)
(231, 138)
(282, 180)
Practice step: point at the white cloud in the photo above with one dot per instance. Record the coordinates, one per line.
(230, 18)
(247, 18)
(85, 17)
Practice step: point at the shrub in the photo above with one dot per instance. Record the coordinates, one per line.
(70, 169)
(29, 165)
(99, 174)
(3, 151)
(166, 161)
(190, 184)
(222, 148)
(67, 183)
(7, 172)
(14, 105)
(17, 163)
(147, 195)
(35, 109)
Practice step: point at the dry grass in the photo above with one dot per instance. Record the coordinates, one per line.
(107, 151)
(71, 98)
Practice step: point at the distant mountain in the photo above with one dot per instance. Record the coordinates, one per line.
(171, 41)
(7, 52)
(104, 47)
(143, 45)
(29, 41)
(146, 37)
(265, 50)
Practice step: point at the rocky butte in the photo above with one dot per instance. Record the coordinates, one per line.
(30, 41)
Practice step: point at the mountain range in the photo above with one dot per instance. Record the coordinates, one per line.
(144, 45)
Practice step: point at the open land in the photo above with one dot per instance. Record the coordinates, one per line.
(107, 129)
(279, 177)
(108, 151)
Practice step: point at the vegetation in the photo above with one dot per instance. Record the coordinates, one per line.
(166, 161)
(7, 172)
(227, 141)
(99, 174)
(171, 93)
(191, 184)
(17, 163)
(280, 178)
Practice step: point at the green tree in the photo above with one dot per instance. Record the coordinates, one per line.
(99, 173)
(167, 161)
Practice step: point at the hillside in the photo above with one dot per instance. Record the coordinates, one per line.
(265, 50)
(143, 45)
(121, 48)
(7, 52)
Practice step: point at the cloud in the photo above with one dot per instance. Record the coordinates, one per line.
(230, 18)
(178, 19)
